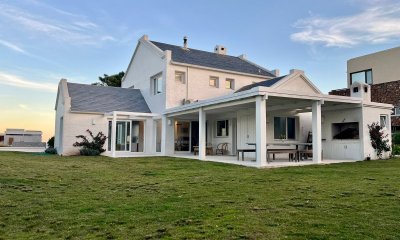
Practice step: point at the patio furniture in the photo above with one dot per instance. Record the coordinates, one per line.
(243, 151)
(209, 150)
(222, 149)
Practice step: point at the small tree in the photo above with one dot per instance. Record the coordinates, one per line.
(379, 140)
(93, 147)
(110, 80)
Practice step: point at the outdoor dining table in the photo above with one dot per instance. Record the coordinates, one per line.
(297, 144)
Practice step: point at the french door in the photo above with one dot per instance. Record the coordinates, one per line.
(123, 136)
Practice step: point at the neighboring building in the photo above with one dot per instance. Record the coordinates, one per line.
(22, 138)
(176, 99)
(380, 70)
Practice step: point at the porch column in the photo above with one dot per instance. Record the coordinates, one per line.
(113, 133)
(261, 131)
(202, 134)
(316, 132)
(167, 136)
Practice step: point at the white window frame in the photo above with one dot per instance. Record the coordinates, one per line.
(396, 111)
(227, 122)
(156, 83)
(231, 82)
(216, 81)
(182, 77)
(385, 117)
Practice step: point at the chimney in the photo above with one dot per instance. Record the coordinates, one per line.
(220, 50)
(243, 56)
(185, 42)
(296, 71)
(361, 90)
(276, 72)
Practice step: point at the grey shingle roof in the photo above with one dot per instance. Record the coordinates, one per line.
(266, 83)
(90, 98)
(212, 60)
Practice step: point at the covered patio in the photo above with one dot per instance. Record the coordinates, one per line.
(259, 120)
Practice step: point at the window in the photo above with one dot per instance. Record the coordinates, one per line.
(180, 77)
(230, 83)
(361, 76)
(396, 111)
(285, 128)
(223, 128)
(347, 130)
(157, 84)
(213, 82)
(383, 121)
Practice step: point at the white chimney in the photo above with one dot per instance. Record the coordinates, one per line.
(243, 56)
(296, 71)
(220, 50)
(276, 72)
(361, 90)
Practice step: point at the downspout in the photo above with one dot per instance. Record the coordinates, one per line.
(187, 82)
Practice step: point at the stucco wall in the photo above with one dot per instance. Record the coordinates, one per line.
(384, 65)
(146, 64)
(197, 84)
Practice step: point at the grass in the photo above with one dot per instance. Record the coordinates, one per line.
(47, 197)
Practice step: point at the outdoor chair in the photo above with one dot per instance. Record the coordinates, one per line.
(222, 149)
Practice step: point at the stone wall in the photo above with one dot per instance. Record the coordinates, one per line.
(383, 92)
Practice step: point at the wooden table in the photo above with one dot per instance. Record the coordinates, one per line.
(289, 151)
(209, 150)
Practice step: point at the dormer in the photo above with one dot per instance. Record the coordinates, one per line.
(361, 90)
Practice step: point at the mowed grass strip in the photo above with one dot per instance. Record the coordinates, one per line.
(47, 197)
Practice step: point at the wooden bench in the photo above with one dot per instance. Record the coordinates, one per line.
(243, 151)
(292, 153)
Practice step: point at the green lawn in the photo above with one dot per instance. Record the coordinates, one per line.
(47, 197)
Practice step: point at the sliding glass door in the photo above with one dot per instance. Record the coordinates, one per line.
(123, 136)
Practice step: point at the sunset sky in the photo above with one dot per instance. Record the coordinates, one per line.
(44, 41)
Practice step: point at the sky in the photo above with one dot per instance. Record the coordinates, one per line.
(44, 41)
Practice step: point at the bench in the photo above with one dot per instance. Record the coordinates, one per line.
(243, 151)
(292, 153)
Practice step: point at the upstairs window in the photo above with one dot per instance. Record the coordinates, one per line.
(230, 83)
(157, 84)
(285, 128)
(213, 82)
(180, 77)
(364, 76)
(223, 128)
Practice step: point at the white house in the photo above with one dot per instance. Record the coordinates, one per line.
(176, 100)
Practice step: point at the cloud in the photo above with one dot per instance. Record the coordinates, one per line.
(376, 24)
(12, 46)
(23, 106)
(69, 28)
(17, 81)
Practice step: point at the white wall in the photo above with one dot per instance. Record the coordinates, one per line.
(147, 63)
(197, 84)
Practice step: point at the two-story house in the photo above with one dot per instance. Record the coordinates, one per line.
(176, 100)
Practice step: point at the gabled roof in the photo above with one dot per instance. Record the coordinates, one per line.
(99, 99)
(266, 83)
(212, 60)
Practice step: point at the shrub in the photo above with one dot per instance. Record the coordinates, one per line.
(396, 138)
(50, 142)
(50, 150)
(93, 147)
(396, 150)
(378, 138)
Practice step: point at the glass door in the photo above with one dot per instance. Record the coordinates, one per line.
(123, 136)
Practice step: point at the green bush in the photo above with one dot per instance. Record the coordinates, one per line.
(378, 138)
(93, 147)
(396, 138)
(396, 150)
(50, 142)
(89, 152)
(50, 150)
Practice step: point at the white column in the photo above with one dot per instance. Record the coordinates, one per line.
(261, 131)
(113, 133)
(167, 136)
(202, 134)
(316, 132)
